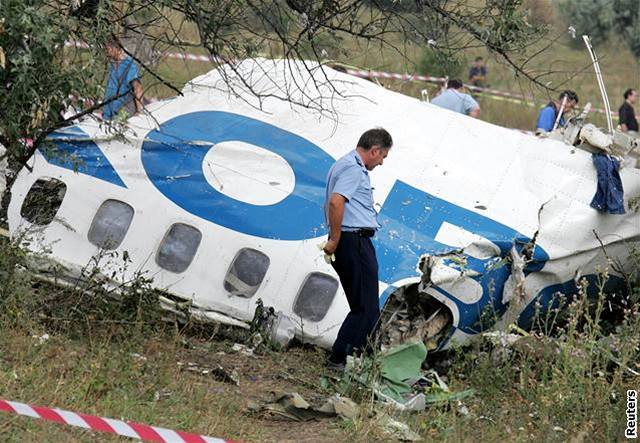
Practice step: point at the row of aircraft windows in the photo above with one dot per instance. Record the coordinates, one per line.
(178, 248)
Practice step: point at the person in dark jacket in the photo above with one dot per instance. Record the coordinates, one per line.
(478, 73)
(626, 113)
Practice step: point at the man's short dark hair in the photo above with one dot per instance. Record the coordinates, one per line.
(113, 41)
(628, 93)
(454, 84)
(375, 137)
(479, 59)
(571, 95)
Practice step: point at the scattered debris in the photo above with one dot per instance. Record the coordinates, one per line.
(292, 406)
(271, 327)
(397, 379)
(400, 369)
(410, 315)
(138, 357)
(396, 429)
(161, 394)
(342, 406)
(502, 338)
(463, 410)
(41, 338)
(218, 372)
(283, 330)
(242, 349)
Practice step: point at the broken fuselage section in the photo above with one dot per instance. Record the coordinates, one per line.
(219, 198)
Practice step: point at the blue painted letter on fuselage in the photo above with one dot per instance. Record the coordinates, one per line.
(171, 152)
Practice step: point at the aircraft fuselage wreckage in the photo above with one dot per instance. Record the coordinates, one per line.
(219, 197)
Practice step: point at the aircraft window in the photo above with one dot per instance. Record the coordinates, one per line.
(178, 247)
(43, 200)
(246, 272)
(315, 296)
(110, 224)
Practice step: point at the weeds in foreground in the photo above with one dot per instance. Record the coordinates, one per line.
(110, 353)
(566, 379)
(92, 303)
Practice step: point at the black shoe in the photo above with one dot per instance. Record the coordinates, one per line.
(332, 365)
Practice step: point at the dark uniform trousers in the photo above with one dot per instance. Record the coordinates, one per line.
(357, 268)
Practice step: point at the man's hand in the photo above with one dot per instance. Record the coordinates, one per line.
(137, 93)
(330, 247)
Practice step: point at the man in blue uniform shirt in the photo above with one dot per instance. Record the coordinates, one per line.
(352, 222)
(548, 115)
(455, 100)
(123, 82)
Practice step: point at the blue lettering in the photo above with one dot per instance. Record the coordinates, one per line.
(169, 152)
(74, 150)
(551, 296)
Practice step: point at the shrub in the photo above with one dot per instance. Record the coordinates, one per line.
(588, 17)
(440, 64)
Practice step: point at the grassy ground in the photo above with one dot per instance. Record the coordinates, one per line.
(569, 387)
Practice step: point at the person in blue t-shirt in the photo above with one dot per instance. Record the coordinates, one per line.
(123, 82)
(455, 100)
(548, 115)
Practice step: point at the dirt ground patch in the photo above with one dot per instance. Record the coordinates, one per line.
(153, 385)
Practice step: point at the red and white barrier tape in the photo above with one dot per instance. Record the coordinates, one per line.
(491, 92)
(372, 74)
(112, 426)
(178, 55)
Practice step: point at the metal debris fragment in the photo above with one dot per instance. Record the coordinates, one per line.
(410, 315)
(396, 429)
(292, 406)
(242, 349)
(217, 372)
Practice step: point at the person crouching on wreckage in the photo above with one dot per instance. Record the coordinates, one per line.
(352, 222)
(555, 112)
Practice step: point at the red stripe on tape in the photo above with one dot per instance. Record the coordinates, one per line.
(4, 406)
(146, 432)
(191, 438)
(97, 423)
(48, 414)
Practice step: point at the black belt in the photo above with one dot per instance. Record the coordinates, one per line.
(364, 232)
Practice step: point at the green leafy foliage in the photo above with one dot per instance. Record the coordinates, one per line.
(628, 23)
(589, 17)
(38, 73)
(437, 64)
(602, 21)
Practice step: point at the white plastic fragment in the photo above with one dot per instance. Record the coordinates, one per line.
(41, 338)
(515, 285)
(415, 404)
(397, 429)
(242, 349)
(595, 137)
(283, 330)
